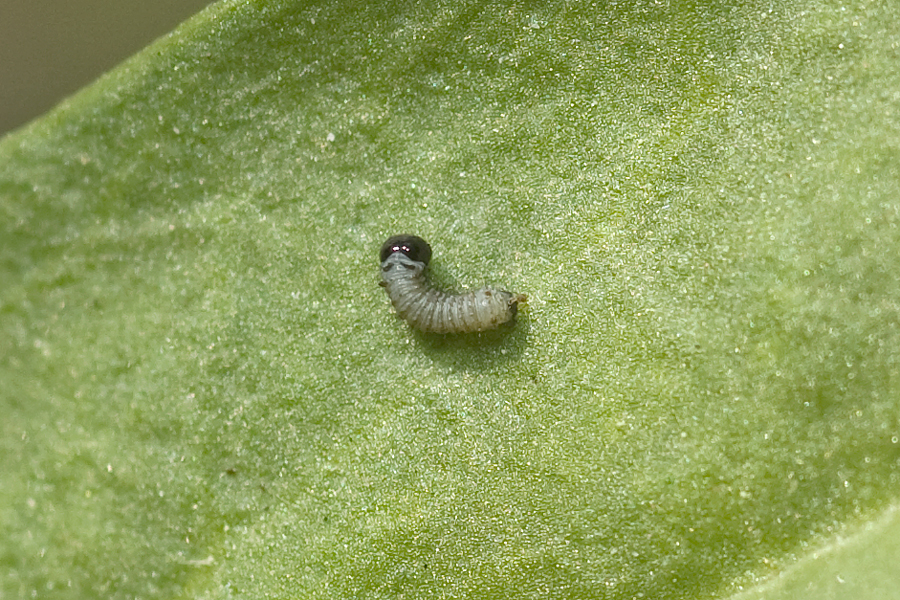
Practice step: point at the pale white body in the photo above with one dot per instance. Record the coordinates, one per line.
(432, 310)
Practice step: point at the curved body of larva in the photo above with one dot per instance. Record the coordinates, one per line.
(403, 262)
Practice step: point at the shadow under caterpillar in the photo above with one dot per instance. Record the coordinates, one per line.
(403, 262)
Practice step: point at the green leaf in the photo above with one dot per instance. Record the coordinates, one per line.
(206, 394)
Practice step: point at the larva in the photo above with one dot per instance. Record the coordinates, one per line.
(403, 262)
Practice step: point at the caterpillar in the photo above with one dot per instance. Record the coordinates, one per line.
(403, 262)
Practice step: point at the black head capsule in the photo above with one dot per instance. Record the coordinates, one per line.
(412, 246)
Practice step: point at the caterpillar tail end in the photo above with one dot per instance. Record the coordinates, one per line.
(515, 301)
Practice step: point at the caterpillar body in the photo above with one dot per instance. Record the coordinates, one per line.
(403, 262)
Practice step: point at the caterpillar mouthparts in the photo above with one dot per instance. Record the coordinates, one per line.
(403, 262)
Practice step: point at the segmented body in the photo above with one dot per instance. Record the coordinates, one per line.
(403, 262)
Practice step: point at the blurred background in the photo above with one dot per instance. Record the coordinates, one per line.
(49, 49)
